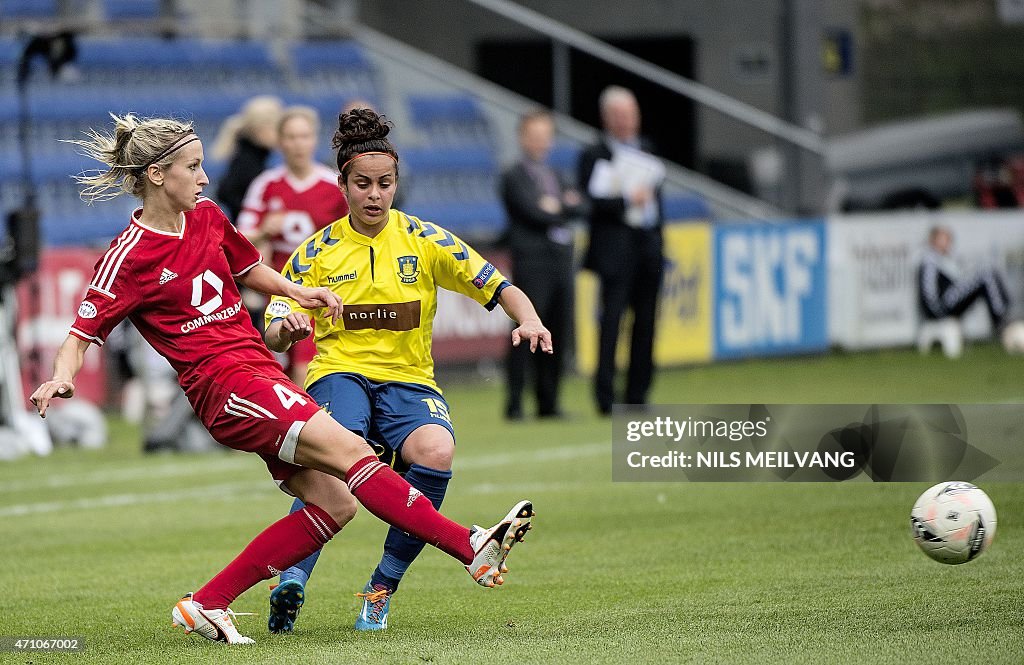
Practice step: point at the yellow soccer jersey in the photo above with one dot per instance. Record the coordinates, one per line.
(388, 285)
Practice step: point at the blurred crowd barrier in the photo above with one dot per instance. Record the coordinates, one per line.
(730, 291)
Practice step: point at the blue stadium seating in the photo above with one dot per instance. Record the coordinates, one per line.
(335, 67)
(564, 158)
(131, 9)
(23, 9)
(450, 119)
(449, 175)
(480, 219)
(311, 56)
(685, 206)
(455, 187)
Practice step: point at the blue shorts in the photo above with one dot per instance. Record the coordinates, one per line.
(384, 414)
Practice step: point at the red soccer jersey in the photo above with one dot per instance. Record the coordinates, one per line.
(309, 205)
(179, 290)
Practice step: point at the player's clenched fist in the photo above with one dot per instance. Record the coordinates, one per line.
(296, 326)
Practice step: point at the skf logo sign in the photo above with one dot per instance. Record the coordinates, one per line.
(408, 269)
(199, 290)
(771, 289)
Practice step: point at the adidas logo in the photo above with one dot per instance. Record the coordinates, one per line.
(167, 276)
(413, 495)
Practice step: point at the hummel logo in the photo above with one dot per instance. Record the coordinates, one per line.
(413, 495)
(167, 276)
(273, 571)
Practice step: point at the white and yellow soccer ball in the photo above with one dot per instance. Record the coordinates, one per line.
(953, 522)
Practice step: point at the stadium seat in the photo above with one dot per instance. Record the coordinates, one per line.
(328, 55)
(335, 67)
(564, 158)
(947, 332)
(685, 206)
(131, 9)
(428, 160)
(481, 220)
(24, 9)
(450, 119)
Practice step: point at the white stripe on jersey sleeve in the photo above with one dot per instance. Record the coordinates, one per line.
(87, 338)
(248, 268)
(107, 273)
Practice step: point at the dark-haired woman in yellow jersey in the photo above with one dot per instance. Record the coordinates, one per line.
(373, 371)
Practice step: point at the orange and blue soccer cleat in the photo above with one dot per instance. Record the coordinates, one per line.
(376, 605)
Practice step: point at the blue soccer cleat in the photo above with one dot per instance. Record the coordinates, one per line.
(376, 603)
(285, 602)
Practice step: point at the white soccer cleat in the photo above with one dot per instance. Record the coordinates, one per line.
(214, 625)
(493, 545)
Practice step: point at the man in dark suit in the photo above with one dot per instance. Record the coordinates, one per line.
(625, 242)
(539, 206)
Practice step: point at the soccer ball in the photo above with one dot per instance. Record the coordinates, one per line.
(953, 522)
(1013, 337)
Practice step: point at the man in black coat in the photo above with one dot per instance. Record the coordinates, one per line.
(540, 205)
(625, 242)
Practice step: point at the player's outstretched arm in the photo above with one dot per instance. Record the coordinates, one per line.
(266, 280)
(69, 360)
(280, 335)
(519, 308)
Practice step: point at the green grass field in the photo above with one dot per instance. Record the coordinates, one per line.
(101, 543)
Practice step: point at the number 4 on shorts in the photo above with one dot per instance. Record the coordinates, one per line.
(288, 397)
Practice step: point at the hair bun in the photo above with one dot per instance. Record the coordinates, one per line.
(360, 126)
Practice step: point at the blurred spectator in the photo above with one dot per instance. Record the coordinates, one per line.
(287, 204)
(944, 291)
(623, 181)
(999, 183)
(245, 138)
(539, 206)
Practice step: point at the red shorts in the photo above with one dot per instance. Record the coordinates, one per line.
(262, 415)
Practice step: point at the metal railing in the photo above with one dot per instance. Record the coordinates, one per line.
(702, 94)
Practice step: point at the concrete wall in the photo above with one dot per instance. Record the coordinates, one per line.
(727, 34)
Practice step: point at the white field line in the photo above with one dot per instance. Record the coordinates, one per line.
(206, 464)
(554, 454)
(526, 489)
(234, 490)
(156, 469)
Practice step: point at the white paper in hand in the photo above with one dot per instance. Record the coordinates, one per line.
(604, 181)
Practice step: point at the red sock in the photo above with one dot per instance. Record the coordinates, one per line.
(386, 494)
(281, 545)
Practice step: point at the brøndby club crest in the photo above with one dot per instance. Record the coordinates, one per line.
(408, 269)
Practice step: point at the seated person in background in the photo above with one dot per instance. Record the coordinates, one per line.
(944, 291)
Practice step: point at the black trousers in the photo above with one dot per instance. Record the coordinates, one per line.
(637, 290)
(986, 285)
(547, 278)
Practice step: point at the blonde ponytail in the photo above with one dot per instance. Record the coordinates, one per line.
(133, 146)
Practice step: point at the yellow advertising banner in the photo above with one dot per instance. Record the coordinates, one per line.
(684, 332)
